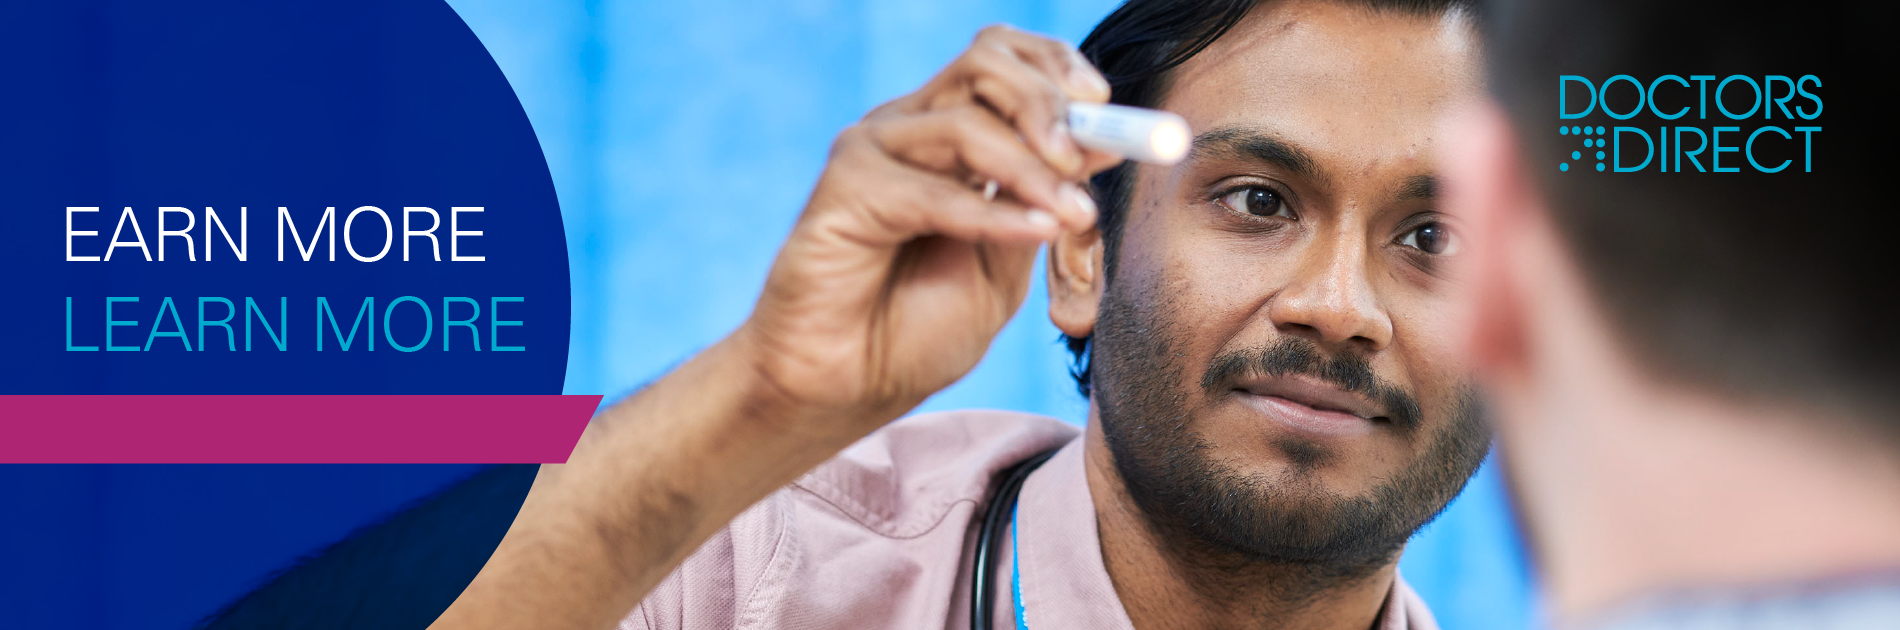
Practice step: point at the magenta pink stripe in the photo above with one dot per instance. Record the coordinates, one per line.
(247, 429)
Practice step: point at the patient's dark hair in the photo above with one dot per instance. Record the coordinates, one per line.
(1775, 285)
(1136, 47)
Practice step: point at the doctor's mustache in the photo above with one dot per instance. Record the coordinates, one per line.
(1294, 356)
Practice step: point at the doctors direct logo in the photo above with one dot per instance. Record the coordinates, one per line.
(1694, 124)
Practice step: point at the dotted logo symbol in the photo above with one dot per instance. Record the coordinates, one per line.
(1592, 142)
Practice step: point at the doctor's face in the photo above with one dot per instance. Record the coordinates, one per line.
(1272, 358)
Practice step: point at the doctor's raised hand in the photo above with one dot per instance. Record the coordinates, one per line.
(907, 261)
(915, 248)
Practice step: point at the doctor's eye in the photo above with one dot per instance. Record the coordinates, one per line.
(1432, 238)
(1259, 201)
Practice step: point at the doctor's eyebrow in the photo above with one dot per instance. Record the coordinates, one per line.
(1259, 145)
(1418, 187)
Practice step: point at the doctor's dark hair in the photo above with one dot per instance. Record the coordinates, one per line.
(1136, 48)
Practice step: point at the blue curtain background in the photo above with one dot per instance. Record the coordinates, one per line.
(683, 139)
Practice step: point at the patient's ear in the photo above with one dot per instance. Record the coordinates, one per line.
(1075, 281)
(1487, 188)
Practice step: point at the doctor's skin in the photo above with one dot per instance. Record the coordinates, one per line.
(1270, 325)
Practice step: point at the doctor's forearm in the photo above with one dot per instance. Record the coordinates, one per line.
(651, 479)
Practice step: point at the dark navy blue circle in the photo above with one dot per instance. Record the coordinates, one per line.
(227, 104)
(304, 105)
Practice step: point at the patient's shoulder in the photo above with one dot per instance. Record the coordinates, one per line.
(900, 480)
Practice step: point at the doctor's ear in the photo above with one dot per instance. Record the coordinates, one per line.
(1075, 281)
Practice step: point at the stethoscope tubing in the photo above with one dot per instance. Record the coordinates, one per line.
(996, 516)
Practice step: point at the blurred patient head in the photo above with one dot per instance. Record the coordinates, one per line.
(1264, 329)
(1695, 374)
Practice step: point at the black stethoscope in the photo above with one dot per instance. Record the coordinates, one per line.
(1001, 506)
